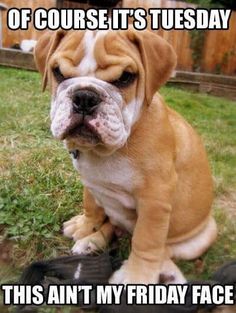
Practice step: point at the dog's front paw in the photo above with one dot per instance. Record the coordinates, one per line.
(143, 272)
(171, 274)
(80, 227)
(132, 275)
(90, 244)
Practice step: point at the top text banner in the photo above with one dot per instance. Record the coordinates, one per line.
(103, 19)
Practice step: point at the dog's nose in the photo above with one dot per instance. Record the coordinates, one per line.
(85, 101)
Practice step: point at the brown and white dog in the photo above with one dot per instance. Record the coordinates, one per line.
(143, 167)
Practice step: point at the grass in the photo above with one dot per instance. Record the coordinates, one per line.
(39, 189)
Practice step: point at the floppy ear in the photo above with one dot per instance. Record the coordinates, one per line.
(44, 49)
(158, 58)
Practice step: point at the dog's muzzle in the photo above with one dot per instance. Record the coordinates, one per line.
(88, 112)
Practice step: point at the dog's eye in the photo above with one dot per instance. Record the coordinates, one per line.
(125, 80)
(58, 75)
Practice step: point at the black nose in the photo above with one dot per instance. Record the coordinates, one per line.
(85, 101)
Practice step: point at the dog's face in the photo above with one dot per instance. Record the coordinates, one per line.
(101, 82)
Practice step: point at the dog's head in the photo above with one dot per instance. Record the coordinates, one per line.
(101, 81)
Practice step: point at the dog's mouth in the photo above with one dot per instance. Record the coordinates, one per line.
(84, 122)
(84, 130)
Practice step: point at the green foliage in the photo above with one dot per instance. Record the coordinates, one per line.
(228, 4)
(201, 3)
(38, 187)
(196, 45)
(224, 62)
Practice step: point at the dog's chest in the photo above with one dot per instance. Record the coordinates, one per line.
(111, 181)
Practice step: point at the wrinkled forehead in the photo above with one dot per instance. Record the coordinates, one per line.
(92, 52)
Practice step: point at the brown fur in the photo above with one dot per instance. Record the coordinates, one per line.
(175, 196)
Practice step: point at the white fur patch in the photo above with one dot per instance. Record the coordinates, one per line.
(88, 65)
(131, 112)
(119, 276)
(111, 181)
(28, 45)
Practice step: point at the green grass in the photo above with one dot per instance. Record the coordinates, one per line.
(214, 118)
(39, 189)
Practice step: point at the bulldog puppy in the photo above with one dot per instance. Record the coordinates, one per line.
(143, 167)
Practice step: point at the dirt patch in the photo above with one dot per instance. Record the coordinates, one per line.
(6, 248)
(8, 270)
(6, 252)
(228, 203)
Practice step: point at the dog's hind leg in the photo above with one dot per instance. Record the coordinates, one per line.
(81, 226)
(195, 246)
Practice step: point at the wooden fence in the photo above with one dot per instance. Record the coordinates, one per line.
(11, 37)
(218, 53)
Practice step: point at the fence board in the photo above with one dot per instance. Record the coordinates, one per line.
(220, 49)
(218, 53)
